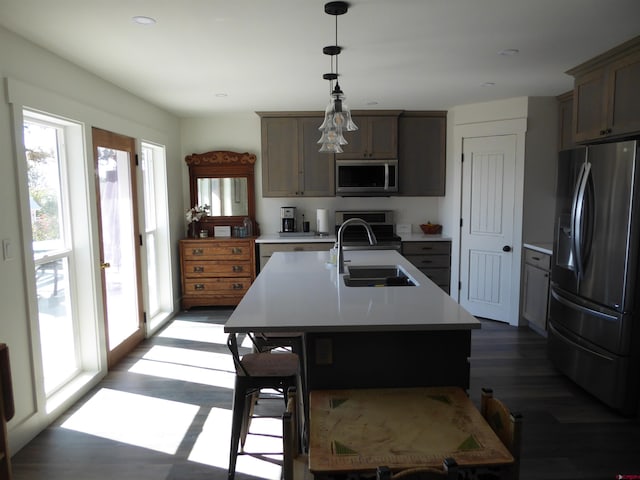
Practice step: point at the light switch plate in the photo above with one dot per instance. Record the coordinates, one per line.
(402, 228)
(7, 253)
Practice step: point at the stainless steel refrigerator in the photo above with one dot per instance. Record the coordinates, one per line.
(594, 310)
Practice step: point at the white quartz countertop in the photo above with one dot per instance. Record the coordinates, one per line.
(421, 237)
(540, 247)
(301, 291)
(276, 238)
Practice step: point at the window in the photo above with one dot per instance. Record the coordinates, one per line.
(158, 262)
(44, 141)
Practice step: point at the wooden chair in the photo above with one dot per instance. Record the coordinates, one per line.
(290, 436)
(449, 471)
(7, 410)
(255, 371)
(507, 426)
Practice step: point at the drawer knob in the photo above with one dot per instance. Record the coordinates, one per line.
(199, 286)
(237, 268)
(197, 251)
(198, 269)
(236, 250)
(237, 286)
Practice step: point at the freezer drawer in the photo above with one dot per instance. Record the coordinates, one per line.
(596, 324)
(609, 377)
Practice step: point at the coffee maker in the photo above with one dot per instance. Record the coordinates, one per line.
(288, 216)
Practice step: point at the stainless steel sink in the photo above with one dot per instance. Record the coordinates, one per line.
(377, 276)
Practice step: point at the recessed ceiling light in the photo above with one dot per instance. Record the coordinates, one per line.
(507, 52)
(488, 84)
(142, 20)
(372, 103)
(221, 95)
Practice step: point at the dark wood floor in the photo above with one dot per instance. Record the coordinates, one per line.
(567, 433)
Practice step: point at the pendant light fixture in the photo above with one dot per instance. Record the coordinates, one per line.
(337, 116)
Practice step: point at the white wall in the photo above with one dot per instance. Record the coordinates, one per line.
(241, 132)
(44, 81)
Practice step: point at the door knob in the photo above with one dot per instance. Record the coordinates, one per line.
(105, 265)
(506, 248)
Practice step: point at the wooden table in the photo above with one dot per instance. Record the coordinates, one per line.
(359, 430)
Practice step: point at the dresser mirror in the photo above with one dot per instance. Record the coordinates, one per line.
(225, 181)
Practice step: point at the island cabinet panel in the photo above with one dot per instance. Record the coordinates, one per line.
(433, 258)
(422, 153)
(292, 166)
(605, 96)
(376, 137)
(387, 359)
(216, 272)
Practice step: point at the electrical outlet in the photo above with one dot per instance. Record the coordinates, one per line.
(403, 228)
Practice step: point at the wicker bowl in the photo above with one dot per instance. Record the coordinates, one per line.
(431, 228)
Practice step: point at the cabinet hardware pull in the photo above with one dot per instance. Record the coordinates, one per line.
(535, 258)
(236, 250)
(427, 248)
(198, 269)
(237, 286)
(197, 251)
(298, 249)
(427, 261)
(199, 286)
(237, 268)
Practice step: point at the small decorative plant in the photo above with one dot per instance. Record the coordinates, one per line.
(194, 214)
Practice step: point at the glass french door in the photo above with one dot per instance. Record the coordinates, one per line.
(114, 157)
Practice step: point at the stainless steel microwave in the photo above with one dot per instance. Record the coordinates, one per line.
(366, 177)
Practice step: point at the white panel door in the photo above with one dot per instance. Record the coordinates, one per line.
(486, 240)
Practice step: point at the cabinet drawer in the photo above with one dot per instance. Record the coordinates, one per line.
(430, 261)
(439, 276)
(213, 286)
(217, 250)
(439, 248)
(268, 249)
(219, 268)
(540, 260)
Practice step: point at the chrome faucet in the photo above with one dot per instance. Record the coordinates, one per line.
(345, 224)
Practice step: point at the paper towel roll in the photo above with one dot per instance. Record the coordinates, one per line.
(322, 219)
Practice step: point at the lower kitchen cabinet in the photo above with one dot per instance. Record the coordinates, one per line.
(535, 289)
(216, 271)
(268, 249)
(433, 258)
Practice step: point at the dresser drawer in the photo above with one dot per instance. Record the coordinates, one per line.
(216, 268)
(430, 261)
(537, 259)
(216, 286)
(419, 248)
(218, 250)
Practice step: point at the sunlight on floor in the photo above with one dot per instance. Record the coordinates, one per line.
(196, 366)
(195, 331)
(133, 419)
(265, 439)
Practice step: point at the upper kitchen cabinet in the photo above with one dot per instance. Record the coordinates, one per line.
(291, 163)
(605, 96)
(422, 153)
(376, 137)
(565, 121)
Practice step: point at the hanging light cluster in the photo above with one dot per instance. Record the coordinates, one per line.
(337, 116)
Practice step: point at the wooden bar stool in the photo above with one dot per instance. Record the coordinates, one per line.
(255, 371)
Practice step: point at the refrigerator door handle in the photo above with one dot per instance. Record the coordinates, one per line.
(578, 217)
(580, 308)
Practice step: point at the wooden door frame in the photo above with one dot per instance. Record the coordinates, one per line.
(117, 141)
(517, 127)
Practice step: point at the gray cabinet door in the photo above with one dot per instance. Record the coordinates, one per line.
(317, 170)
(280, 171)
(421, 154)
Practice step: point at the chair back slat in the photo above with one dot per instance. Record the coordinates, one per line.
(232, 343)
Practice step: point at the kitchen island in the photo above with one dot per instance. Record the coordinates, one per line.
(360, 337)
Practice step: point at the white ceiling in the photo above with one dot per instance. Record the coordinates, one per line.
(267, 54)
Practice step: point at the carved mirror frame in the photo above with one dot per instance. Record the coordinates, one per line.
(223, 164)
